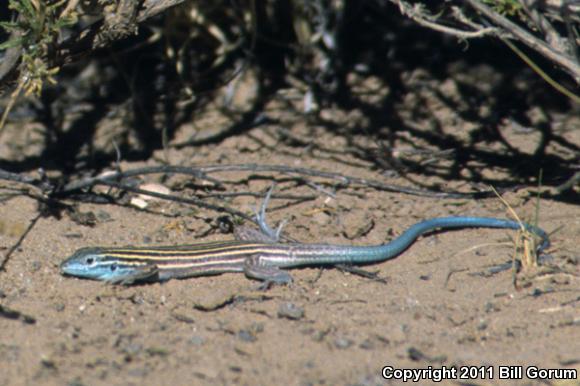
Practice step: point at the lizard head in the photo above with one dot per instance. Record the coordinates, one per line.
(97, 264)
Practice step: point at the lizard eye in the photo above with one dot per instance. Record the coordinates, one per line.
(90, 260)
(113, 267)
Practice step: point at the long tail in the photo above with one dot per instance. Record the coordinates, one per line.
(395, 247)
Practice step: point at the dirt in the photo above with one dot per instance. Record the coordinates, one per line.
(438, 305)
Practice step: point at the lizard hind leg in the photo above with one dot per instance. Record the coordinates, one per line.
(254, 268)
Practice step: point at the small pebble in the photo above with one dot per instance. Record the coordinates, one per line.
(342, 343)
(290, 311)
(482, 325)
(246, 336)
(197, 340)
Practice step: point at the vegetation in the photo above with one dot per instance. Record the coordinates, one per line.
(194, 47)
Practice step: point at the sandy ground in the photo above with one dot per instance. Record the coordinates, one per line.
(439, 305)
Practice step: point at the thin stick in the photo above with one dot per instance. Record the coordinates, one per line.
(19, 242)
(202, 172)
(542, 73)
(119, 175)
(169, 197)
(345, 179)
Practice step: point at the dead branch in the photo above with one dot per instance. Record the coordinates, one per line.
(203, 171)
(559, 49)
(114, 26)
(561, 58)
(418, 13)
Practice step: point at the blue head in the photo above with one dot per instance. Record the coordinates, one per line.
(97, 264)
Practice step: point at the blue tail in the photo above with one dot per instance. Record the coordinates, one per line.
(378, 253)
